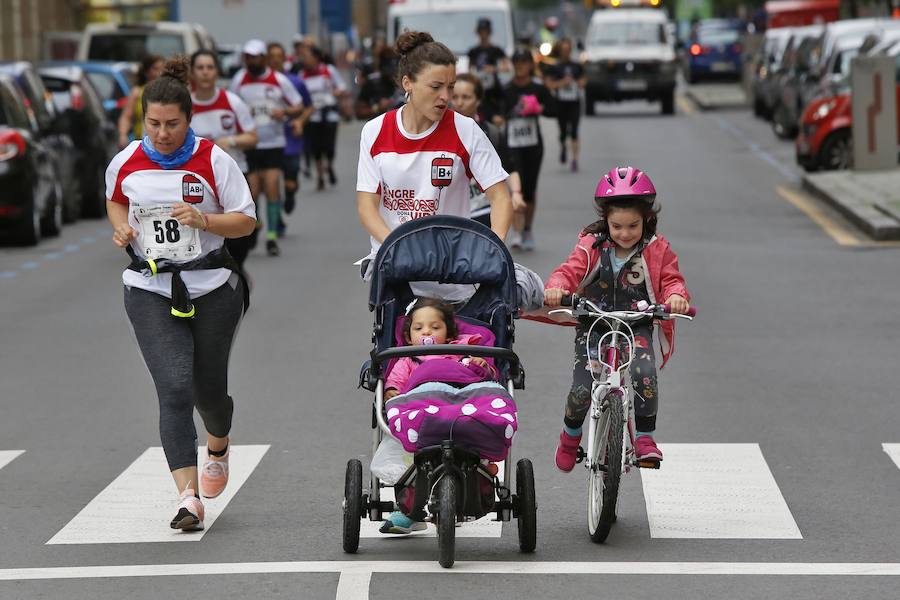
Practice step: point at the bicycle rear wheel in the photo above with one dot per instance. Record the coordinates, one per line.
(606, 469)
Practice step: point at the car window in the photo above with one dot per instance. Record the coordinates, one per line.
(62, 92)
(36, 95)
(11, 111)
(626, 34)
(105, 85)
(92, 103)
(717, 37)
(133, 46)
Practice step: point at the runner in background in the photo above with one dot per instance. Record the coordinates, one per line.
(566, 78)
(131, 119)
(486, 61)
(327, 87)
(223, 118)
(380, 92)
(293, 131)
(467, 95)
(525, 100)
(272, 99)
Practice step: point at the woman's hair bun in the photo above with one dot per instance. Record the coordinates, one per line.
(178, 67)
(410, 40)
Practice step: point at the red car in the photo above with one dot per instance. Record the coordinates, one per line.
(825, 139)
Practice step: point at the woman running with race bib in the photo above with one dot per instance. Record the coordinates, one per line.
(525, 100)
(172, 199)
(417, 160)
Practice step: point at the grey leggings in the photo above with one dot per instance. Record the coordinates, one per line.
(188, 360)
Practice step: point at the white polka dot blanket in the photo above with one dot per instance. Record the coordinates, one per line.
(480, 416)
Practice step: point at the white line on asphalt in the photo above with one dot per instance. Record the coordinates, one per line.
(7, 456)
(138, 504)
(795, 569)
(353, 584)
(716, 491)
(756, 149)
(893, 450)
(484, 527)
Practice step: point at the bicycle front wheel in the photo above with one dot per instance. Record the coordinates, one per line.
(605, 455)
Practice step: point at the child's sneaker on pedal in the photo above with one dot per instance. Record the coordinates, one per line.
(397, 522)
(567, 452)
(645, 448)
(190, 513)
(214, 475)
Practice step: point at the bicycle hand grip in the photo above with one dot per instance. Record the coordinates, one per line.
(569, 300)
(691, 312)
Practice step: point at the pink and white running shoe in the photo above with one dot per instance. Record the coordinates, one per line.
(214, 475)
(190, 513)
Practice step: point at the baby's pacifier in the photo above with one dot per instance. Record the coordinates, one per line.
(427, 340)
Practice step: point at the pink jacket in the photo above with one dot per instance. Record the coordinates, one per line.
(404, 367)
(663, 279)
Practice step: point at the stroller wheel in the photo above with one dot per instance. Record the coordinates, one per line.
(527, 506)
(446, 525)
(353, 505)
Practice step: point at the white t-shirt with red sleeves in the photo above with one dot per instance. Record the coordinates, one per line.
(322, 84)
(423, 174)
(225, 114)
(263, 95)
(210, 180)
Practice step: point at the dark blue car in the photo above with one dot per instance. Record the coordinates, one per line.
(714, 52)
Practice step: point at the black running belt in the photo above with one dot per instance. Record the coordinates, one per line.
(182, 306)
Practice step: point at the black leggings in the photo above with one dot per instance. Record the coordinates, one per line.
(643, 378)
(188, 361)
(321, 138)
(568, 114)
(528, 161)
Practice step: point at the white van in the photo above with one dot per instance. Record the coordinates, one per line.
(453, 22)
(131, 42)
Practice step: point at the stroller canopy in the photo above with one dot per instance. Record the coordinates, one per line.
(445, 249)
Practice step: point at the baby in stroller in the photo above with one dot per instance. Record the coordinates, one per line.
(443, 387)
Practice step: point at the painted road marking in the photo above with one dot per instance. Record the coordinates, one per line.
(138, 504)
(484, 527)
(685, 104)
(838, 232)
(798, 569)
(7, 456)
(893, 450)
(756, 149)
(716, 491)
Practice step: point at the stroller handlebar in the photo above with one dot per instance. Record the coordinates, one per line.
(452, 349)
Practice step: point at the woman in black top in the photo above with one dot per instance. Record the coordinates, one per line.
(566, 79)
(525, 99)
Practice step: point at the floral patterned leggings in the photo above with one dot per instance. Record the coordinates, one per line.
(643, 377)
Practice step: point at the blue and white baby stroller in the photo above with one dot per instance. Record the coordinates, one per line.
(451, 433)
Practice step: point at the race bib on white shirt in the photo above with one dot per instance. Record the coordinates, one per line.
(262, 112)
(568, 93)
(522, 133)
(162, 236)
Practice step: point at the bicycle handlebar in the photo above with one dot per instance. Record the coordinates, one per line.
(657, 311)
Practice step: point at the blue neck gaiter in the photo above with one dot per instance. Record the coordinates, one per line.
(175, 159)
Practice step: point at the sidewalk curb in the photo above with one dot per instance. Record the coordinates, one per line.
(866, 216)
(705, 102)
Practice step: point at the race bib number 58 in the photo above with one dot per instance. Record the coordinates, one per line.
(162, 236)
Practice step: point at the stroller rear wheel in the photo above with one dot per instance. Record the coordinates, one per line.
(446, 520)
(526, 505)
(353, 505)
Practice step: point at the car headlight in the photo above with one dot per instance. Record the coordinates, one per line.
(824, 109)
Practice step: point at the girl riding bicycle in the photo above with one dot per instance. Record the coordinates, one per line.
(618, 262)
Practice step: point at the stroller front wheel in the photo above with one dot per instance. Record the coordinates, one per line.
(526, 505)
(446, 520)
(353, 505)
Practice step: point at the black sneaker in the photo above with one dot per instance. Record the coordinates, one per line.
(331, 178)
(562, 155)
(272, 248)
(321, 185)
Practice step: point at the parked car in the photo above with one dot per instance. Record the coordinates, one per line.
(95, 137)
(714, 51)
(767, 63)
(629, 54)
(39, 103)
(825, 138)
(30, 194)
(113, 82)
(132, 41)
(797, 66)
(229, 60)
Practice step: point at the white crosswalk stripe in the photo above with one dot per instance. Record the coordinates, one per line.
(138, 504)
(716, 491)
(7, 456)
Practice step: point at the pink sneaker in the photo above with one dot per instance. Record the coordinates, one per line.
(567, 452)
(214, 475)
(646, 450)
(190, 513)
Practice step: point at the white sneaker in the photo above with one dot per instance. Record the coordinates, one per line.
(514, 240)
(527, 240)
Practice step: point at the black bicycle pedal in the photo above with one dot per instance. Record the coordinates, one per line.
(648, 464)
(580, 455)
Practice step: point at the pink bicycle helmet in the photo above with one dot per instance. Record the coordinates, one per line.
(625, 183)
